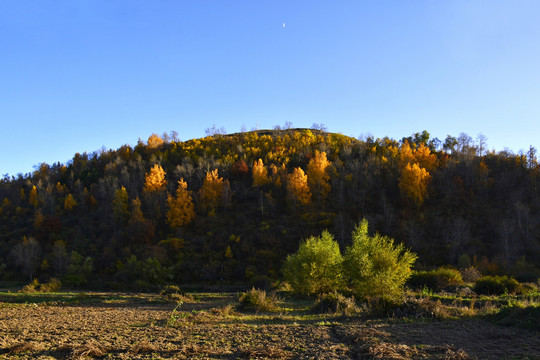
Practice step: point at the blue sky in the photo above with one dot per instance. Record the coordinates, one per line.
(80, 75)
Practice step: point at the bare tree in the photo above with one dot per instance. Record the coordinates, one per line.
(26, 255)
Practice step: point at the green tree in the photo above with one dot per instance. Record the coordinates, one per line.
(375, 267)
(316, 267)
(120, 205)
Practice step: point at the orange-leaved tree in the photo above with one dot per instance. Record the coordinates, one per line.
(181, 209)
(211, 192)
(297, 188)
(154, 141)
(413, 182)
(415, 165)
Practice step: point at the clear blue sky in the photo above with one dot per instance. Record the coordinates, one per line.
(77, 75)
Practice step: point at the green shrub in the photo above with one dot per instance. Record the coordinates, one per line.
(496, 285)
(255, 300)
(316, 267)
(375, 267)
(435, 280)
(335, 303)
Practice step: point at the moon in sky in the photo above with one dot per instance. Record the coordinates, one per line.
(283, 24)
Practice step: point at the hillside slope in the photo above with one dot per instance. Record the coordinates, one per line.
(229, 208)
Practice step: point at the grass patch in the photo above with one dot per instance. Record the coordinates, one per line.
(256, 300)
(521, 317)
(335, 303)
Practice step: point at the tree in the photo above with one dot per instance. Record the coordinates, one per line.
(375, 267)
(120, 205)
(297, 188)
(260, 179)
(26, 255)
(155, 179)
(413, 182)
(33, 197)
(316, 267)
(211, 192)
(181, 209)
(154, 141)
(69, 203)
(260, 174)
(317, 176)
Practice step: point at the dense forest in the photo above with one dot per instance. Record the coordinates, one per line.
(227, 209)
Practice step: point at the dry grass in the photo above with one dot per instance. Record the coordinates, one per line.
(210, 328)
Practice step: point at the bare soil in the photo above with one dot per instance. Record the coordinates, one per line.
(208, 329)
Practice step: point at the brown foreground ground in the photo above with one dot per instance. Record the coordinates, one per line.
(141, 327)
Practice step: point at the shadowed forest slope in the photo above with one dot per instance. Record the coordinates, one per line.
(229, 208)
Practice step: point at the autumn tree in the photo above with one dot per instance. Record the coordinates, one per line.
(260, 179)
(260, 174)
(414, 172)
(33, 197)
(154, 141)
(211, 192)
(69, 203)
(155, 179)
(297, 188)
(413, 182)
(181, 209)
(317, 175)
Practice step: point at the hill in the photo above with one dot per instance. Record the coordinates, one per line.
(227, 209)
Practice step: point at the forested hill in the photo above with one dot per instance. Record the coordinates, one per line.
(229, 208)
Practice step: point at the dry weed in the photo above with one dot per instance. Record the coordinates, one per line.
(142, 347)
(90, 350)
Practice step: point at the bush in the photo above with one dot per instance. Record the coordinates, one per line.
(333, 303)
(435, 280)
(53, 285)
(470, 274)
(496, 285)
(316, 267)
(375, 267)
(255, 300)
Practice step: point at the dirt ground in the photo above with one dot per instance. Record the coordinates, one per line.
(207, 330)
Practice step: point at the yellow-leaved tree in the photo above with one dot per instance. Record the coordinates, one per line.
(69, 203)
(154, 141)
(297, 188)
(415, 165)
(181, 209)
(211, 192)
(260, 174)
(413, 182)
(155, 179)
(260, 179)
(317, 176)
(33, 197)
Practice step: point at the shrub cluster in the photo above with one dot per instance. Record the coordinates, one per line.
(372, 267)
(54, 285)
(496, 285)
(435, 280)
